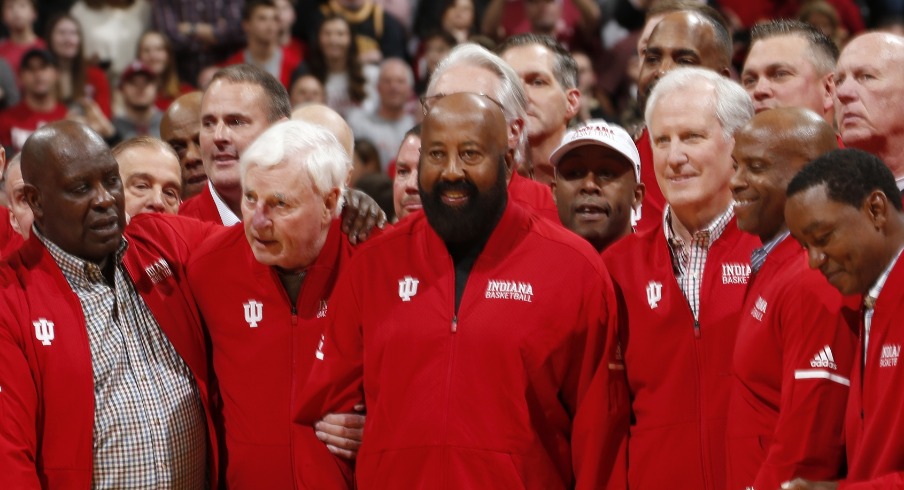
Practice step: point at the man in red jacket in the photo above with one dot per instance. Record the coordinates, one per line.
(103, 367)
(471, 68)
(475, 364)
(692, 36)
(266, 311)
(682, 284)
(795, 343)
(845, 209)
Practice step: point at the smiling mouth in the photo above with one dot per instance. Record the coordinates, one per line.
(455, 197)
(590, 211)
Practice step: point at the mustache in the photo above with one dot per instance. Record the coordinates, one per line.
(460, 185)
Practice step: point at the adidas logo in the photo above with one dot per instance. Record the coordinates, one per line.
(824, 359)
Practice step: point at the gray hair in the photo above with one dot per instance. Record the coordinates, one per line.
(309, 147)
(509, 93)
(732, 104)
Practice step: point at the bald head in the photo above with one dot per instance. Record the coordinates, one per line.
(73, 187)
(683, 38)
(869, 92)
(768, 153)
(181, 129)
(324, 116)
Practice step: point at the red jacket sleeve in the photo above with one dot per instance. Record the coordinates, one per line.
(18, 409)
(600, 428)
(336, 382)
(808, 441)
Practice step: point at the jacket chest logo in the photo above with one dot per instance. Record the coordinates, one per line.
(43, 330)
(511, 290)
(735, 273)
(654, 294)
(407, 287)
(759, 309)
(254, 312)
(158, 271)
(889, 356)
(321, 311)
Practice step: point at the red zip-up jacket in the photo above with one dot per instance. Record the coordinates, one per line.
(201, 207)
(533, 196)
(678, 372)
(875, 413)
(261, 356)
(791, 369)
(47, 391)
(481, 398)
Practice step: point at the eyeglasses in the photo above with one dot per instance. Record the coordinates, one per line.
(428, 101)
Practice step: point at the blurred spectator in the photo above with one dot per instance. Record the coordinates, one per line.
(403, 10)
(306, 88)
(591, 107)
(180, 127)
(112, 30)
(286, 15)
(151, 179)
(78, 78)
(19, 18)
(260, 21)
(203, 32)
(405, 196)
(434, 46)
(458, 19)
(9, 86)
(206, 76)
(38, 76)
(377, 33)
(365, 160)
(156, 52)
(744, 13)
(333, 59)
(824, 17)
(139, 117)
(574, 23)
(386, 125)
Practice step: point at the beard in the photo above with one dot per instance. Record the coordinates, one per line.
(474, 220)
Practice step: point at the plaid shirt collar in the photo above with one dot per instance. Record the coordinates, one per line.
(703, 238)
(78, 271)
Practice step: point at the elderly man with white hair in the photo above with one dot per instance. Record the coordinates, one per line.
(682, 286)
(263, 290)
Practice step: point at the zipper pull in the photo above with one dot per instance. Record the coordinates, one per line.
(454, 323)
(696, 329)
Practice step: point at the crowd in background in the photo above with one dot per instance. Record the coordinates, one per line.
(117, 64)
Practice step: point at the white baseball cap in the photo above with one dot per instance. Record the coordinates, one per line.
(600, 133)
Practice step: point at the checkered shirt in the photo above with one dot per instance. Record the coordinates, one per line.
(689, 259)
(149, 424)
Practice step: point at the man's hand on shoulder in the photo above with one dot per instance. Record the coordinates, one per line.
(360, 215)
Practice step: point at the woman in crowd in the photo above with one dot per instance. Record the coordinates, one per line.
(79, 81)
(333, 59)
(156, 52)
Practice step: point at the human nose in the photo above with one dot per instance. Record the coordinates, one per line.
(590, 183)
(815, 257)
(155, 203)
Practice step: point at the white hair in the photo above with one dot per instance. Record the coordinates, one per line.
(309, 147)
(509, 93)
(732, 104)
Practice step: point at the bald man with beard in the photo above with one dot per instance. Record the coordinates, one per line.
(795, 344)
(466, 324)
